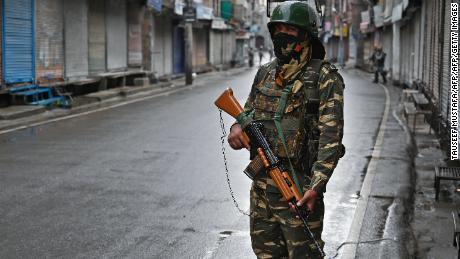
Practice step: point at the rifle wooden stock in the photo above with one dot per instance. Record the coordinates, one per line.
(230, 105)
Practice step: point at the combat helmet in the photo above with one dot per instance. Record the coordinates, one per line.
(301, 15)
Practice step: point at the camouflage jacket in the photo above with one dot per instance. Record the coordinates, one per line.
(316, 152)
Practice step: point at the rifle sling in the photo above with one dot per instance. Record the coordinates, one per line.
(277, 119)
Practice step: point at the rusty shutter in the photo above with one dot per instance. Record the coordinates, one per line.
(135, 15)
(117, 43)
(96, 36)
(49, 40)
(76, 38)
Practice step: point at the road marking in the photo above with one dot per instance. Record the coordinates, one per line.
(355, 231)
(35, 124)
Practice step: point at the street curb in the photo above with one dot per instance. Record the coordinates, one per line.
(116, 99)
(395, 190)
(400, 212)
(15, 113)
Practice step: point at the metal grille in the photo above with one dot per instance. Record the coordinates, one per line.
(76, 37)
(448, 172)
(49, 40)
(117, 32)
(18, 41)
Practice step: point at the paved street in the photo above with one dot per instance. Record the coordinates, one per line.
(147, 180)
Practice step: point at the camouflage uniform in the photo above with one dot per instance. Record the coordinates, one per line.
(312, 125)
(314, 147)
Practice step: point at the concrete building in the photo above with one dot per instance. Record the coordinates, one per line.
(415, 35)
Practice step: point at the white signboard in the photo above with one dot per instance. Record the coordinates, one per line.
(397, 13)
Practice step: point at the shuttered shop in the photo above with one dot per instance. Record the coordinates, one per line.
(134, 33)
(76, 38)
(117, 43)
(445, 91)
(200, 47)
(222, 47)
(437, 52)
(229, 46)
(18, 41)
(162, 46)
(427, 41)
(49, 40)
(217, 42)
(96, 34)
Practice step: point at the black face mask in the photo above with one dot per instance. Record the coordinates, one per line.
(284, 45)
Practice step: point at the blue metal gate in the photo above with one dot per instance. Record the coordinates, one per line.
(178, 50)
(18, 42)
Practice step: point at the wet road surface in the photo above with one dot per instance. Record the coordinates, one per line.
(147, 179)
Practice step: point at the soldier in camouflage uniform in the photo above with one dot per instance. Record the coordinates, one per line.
(312, 124)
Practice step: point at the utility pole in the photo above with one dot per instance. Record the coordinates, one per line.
(188, 38)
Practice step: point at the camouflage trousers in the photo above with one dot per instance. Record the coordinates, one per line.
(277, 233)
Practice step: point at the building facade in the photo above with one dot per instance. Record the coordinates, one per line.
(415, 35)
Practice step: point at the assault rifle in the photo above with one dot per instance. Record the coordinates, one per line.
(253, 132)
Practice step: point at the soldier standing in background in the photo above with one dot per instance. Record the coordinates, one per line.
(250, 57)
(261, 55)
(378, 60)
(310, 93)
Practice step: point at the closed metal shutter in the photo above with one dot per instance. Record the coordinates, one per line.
(162, 46)
(49, 40)
(217, 38)
(230, 46)
(18, 41)
(403, 59)
(445, 92)
(96, 34)
(117, 32)
(437, 54)
(428, 57)
(76, 38)
(178, 50)
(418, 39)
(134, 34)
(200, 47)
